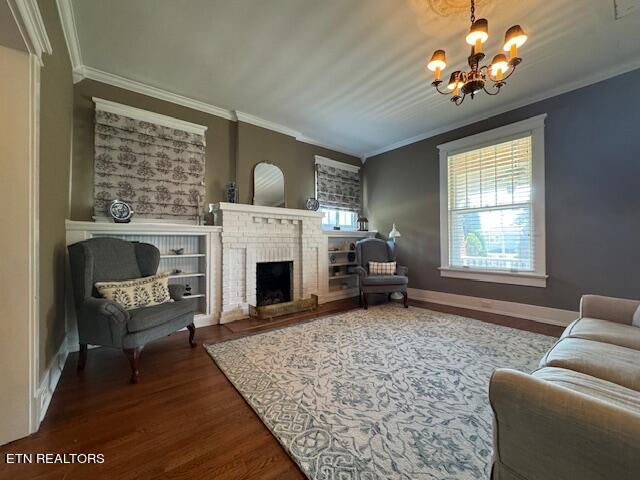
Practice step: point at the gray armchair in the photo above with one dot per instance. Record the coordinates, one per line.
(376, 250)
(107, 323)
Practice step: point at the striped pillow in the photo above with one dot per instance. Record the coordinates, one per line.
(382, 268)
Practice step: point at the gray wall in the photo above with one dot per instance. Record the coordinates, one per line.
(592, 155)
(233, 149)
(56, 120)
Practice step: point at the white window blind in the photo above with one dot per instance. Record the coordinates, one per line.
(490, 208)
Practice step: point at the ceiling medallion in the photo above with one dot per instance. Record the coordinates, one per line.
(444, 8)
(463, 83)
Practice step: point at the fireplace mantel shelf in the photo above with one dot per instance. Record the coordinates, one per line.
(257, 209)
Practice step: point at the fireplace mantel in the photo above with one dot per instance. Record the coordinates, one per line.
(265, 211)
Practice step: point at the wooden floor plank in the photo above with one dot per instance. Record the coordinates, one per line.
(183, 420)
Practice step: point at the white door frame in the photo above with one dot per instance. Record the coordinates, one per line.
(34, 243)
(31, 26)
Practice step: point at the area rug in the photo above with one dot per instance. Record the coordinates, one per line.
(386, 393)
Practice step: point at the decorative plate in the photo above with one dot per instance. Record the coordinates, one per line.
(312, 204)
(120, 211)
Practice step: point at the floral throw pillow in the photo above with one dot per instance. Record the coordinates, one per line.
(137, 292)
(382, 268)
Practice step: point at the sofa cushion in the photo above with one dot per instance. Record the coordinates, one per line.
(149, 317)
(604, 331)
(382, 280)
(594, 387)
(613, 363)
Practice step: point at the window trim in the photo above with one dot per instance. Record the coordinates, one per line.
(533, 126)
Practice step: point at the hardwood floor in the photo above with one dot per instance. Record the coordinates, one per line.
(183, 420)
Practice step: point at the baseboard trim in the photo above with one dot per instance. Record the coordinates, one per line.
(50, 380)
(551, 316)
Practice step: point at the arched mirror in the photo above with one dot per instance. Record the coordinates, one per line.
(268, 185)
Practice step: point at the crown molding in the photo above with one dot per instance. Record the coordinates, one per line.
(597, 76)
(138, 87)
(70, 32)
(261, 122)
(146, 116)
(83, 72)
(328, 146)
(29, 21)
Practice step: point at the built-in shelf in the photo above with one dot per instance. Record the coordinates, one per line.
(349, 234)
(194, 295)
(186, 275)
(185, 255)
(343, 284)
(344, 275)
(342, 264)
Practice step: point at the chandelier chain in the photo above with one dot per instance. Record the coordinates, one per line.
(473, 11)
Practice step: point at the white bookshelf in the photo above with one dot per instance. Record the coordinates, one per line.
(195, 267)
(341, 254)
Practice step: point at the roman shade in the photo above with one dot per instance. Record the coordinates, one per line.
(337, 185)
(490, 207)
(153, 162)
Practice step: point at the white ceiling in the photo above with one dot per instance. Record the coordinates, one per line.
(349, 72)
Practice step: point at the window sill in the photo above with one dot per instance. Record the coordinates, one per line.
(510, 278)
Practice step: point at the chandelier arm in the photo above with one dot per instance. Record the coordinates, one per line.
(492, 93)
(440, 91)
(458, 101)
(513, 69)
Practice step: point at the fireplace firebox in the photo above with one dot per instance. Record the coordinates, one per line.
(273, 282)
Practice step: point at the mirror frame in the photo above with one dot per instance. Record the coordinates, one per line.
(253, 183)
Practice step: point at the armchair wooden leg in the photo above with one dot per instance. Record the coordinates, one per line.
(405, 299)
(82, 356)
(133, 354)
(365, 298)
(360, 299)
(192, 333)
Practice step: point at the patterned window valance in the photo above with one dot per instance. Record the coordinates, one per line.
(154, 163)
(337, 184)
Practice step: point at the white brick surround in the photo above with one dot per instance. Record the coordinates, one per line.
(253, 234)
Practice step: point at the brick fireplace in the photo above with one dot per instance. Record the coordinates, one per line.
(254, 235)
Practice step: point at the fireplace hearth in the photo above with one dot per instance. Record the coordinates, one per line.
(273, 282)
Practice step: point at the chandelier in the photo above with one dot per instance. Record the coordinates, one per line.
(488, 78)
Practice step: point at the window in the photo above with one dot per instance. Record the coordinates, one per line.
(345, 219)
(338, 191)
(492, 205)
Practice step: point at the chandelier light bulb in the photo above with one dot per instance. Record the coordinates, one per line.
(455, 81)
(437, 63)
(478, 33)
(499, 66)
(514, 39)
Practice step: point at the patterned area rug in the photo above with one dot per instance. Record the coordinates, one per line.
(388, 393)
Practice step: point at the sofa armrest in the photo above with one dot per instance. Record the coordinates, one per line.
(617, 310)
(102, 322)
(361, 271)
(402, 270)
(176, 292)
(544, 431)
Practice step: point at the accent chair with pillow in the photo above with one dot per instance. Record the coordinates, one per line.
(121, 302)
(378, 270)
